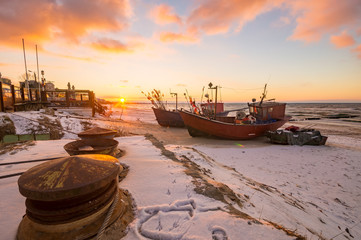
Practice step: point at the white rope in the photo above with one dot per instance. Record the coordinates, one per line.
(107, 218)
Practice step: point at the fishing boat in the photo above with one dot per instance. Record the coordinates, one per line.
(168, 118)
(263, 116)
(165, 117)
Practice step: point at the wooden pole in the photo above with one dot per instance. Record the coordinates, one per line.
(12, 88)
(92, 103)
(67, 98)
(26, 72)
(43, 96)
(22, 94)
(37, 64)
(215, 106)
(30, 94)
(37, 94)
(2, 98)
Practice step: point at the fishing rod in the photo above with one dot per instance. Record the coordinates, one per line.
(202, 94)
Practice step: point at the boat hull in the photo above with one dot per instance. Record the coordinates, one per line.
(167, 118)
(201, 126)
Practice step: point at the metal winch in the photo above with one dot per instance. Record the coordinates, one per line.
(74, 197)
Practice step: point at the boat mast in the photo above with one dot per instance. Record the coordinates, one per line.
(176, 100)
(263, 94)
(215, 102)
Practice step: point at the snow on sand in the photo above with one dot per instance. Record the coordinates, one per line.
(195, 188)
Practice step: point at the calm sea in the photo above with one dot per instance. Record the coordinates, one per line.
(298, 111)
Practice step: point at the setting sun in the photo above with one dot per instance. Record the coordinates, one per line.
(122, 100)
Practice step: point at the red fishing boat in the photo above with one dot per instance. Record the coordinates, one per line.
(263, 116)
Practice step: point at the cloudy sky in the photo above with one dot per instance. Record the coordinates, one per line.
(305, 50)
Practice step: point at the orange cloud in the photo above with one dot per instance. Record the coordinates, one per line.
(39, 21)
(316, 18)
(343, 40)
(178, 37)
(164, 14)
(110, 45)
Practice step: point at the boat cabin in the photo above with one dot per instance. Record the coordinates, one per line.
(209, 108)
(267, 111)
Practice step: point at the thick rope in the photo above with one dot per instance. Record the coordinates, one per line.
(107, 218)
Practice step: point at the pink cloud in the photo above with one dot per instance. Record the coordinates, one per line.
(164, 14)
(218, 16)
(39, 21)
(316, 18)
(342, 40)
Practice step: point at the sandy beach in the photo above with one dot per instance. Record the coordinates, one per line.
(200, 188)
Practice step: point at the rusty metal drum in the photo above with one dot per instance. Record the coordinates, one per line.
(66, 178)
(97, 132)
(92, 146)
(69, 197)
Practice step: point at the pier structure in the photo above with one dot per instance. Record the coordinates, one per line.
(22, 98)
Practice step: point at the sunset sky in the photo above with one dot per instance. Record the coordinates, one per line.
(305, 50)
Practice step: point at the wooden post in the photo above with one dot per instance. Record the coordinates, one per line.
(2, 98)
(43, 96)
(31, 95)
(37, 95)
(13, 95)
(22, 94)
(92, 103)
(67, 98)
